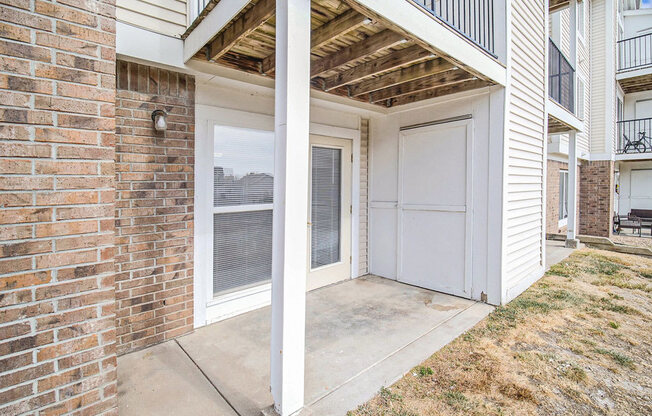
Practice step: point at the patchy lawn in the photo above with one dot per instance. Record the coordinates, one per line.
(578, 342)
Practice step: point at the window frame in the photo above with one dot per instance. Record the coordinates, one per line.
(563, 197)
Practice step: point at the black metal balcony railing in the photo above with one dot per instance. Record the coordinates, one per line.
(634, 136)
(634, 53)
(472, 18)
(561, 78)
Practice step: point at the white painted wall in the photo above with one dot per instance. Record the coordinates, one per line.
(637, 22)
(486, 109)
(635, 185)
(638, 105)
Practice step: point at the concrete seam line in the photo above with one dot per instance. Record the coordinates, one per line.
(208, 379)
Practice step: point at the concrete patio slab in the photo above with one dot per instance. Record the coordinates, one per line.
(162, 380)
(361, 334)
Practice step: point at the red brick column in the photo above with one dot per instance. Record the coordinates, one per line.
(596, 198)
(154, 206)
(57, 104)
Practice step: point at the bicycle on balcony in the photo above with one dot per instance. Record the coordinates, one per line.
(636, 145)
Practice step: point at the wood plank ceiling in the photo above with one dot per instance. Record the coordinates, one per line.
(352, 55)
(636, 84)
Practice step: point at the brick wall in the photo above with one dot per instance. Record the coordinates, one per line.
(154, 206)
(57, 104)
(552, 196)
(596, 198)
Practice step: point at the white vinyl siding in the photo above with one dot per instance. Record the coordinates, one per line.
(584, 72)
(167, 17)
(602, 84)
(364, 210)
(525, 145)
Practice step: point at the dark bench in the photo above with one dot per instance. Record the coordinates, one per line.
(636, 220)
(629, 221)
(644, 214)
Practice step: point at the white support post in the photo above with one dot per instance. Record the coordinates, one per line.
(290, 251)
(571, 237)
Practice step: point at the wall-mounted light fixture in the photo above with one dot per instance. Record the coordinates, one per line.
(160, 120)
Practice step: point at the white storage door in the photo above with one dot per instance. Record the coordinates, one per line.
(434, 200)
(641, 189)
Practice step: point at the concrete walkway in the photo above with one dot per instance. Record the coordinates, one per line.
(360, 335)
(556, 251)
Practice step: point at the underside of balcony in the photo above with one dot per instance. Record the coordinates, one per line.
(354, 53)
(636, 81)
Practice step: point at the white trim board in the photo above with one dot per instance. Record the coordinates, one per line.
(214, 21)
(144, 45)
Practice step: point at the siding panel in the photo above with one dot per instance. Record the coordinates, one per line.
(525, 136)
(167, 17)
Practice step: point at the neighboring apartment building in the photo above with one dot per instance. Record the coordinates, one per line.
(148, 149)
(604, 82)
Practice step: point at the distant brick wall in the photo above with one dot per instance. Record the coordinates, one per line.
(596, 198)
(154, 206)
(57, 104)
(552, 196)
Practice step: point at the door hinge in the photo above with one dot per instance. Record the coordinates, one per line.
(350, 259)
(350, 209)
(351, 157)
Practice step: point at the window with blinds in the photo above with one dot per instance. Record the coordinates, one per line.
(325, 206)
(243, 191)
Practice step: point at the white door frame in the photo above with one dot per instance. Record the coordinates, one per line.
(317, 277)
(208, 309)
(468, 209)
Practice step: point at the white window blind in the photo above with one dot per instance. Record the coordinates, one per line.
(325, 206)
(243, 188)
(242, 249)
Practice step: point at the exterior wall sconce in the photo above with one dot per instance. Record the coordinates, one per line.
(160, 120)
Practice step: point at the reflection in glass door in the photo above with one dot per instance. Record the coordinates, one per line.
(243, 189)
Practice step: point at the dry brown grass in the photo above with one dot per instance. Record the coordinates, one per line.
(579, 342)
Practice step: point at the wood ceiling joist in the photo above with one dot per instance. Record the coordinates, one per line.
(241, 27)
(410, 73)
(380, 19)
(438, 92)
(344, 23)
(359, 50)
(386, 63)
(556, 5)
(433, 81)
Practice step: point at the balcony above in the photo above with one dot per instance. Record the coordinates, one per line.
(634, 140)
(361, 49)
(635, 64)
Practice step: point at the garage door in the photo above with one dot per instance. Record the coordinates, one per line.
(434, 199)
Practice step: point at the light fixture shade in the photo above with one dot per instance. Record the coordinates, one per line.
(160, 120)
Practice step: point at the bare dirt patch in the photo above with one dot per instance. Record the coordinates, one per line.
(578, 342)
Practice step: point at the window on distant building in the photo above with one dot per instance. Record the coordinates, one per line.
(563, 194)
